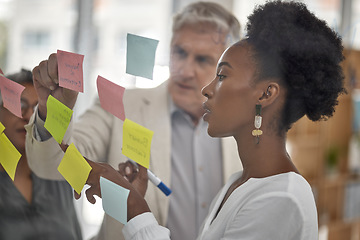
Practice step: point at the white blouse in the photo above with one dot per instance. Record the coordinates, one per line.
(276, 207)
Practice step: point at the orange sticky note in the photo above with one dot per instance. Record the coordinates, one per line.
(9, 157)
(111, 97)
(11, 94)
(74, 168)
(57, 119)
(70, 70)
(137, 142)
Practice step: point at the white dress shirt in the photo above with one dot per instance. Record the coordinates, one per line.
(280, 207)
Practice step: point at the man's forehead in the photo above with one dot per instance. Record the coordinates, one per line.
(210, 33)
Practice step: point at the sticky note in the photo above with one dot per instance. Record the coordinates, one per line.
(2, 127)
(74, 168)
(137, 142)
(11, 95)
(9, 157)
(70, 70)
(111, 97)
(114, 199)
(140, 55)
(1, 72)
(57, 119)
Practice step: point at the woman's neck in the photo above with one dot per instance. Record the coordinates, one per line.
(263, 159)
(23, 169)
(23, 179)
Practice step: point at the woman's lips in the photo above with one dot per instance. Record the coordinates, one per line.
(207, 112)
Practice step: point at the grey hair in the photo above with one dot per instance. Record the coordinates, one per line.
(212, 13)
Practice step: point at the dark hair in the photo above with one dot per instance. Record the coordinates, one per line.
(22, 77)
(294, 46)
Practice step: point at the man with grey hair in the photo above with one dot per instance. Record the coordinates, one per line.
(182, 154)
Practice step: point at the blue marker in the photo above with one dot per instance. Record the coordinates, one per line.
(155, 180)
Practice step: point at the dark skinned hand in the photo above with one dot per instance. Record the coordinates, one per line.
(136, 203)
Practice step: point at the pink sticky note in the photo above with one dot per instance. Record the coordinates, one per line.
(1, 72)
(111, 97)
(70, 70)
(11, 94)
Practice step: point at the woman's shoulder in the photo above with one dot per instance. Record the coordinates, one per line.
(284, 183)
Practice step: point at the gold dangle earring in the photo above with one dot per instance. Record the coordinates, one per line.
(258, 119)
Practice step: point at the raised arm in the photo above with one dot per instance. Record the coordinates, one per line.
(46, 82)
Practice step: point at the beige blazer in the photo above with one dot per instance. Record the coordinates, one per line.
(98, 136)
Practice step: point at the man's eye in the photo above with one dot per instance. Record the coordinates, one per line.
(203, 60)
(180, 52)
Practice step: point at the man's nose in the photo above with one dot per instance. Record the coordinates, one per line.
(188, 68)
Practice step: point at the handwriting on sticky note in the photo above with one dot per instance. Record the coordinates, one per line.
(9, 157)
(2, 127)
(70, 70)
(140, 55)
(111, 97)
(74, 168)
(114, 199)
(137, 142)
(11, 95)
(57, 119)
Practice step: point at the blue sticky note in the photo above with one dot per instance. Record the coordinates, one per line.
(140, 55)
(114, 200)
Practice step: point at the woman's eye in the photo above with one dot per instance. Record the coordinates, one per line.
(221, 77)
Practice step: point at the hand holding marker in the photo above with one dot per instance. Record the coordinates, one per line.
(156, 181)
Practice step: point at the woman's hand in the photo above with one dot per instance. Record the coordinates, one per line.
(136, 203)
(131, 172)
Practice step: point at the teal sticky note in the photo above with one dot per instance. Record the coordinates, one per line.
(140, 55)
(114, 200)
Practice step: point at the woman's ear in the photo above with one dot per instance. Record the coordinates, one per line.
(270, 91)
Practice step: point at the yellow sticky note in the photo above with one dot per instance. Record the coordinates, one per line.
(9, 157)
(137, 142)
(2, 127)
(74, 168)
(57, 119)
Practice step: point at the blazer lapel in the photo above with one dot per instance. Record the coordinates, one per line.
(156, 117)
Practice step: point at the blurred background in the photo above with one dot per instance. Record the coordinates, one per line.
(326, 153)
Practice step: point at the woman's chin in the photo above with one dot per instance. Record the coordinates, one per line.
(216, 134)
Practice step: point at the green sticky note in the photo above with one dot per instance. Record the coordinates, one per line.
(2, 127)
(114, 199)
(140, 55)
(137, 142)
(74, 168)
(57, 119)
(9, 157)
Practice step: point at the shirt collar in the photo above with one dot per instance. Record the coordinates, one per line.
(175, 111)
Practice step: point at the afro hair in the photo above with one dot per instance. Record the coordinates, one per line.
(293, 45)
